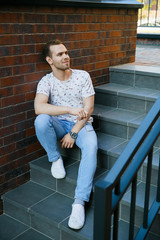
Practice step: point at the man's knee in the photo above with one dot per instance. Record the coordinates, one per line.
(91, 145)
(42, 122)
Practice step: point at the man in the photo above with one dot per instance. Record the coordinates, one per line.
(64, 102)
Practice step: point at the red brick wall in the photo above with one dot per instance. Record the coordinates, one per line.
(96, 39)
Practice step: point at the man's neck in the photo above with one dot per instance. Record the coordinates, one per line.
(62, 75)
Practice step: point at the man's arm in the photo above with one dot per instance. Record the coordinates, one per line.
(67, 141)
(42, 106)
(88, 108)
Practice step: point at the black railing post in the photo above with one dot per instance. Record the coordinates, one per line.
(158, 182)
(156, 12)
(147, 191)
(132, 211)
(102, 211)
(116, 214)
(149, 7)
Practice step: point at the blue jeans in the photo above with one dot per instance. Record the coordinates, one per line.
(49, 129)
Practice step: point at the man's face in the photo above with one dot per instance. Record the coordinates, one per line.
(59, 56)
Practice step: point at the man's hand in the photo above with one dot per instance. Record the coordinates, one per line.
(67, 141)
(80, 112)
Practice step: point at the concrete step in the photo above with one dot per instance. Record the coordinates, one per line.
(136, 76)
(11, 229)
(45, 210)
(110, 148)
(126, 97)
(117, 122)
(41, 174)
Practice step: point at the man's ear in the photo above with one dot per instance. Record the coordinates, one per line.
(49, 60)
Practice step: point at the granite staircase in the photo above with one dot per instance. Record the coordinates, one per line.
(39, 209)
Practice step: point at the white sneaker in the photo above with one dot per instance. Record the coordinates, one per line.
(77, 218)
(57, 169)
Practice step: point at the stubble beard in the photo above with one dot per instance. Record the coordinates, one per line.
(63, 68)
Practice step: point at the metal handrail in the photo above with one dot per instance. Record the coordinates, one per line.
(110, 190)
(149, 15)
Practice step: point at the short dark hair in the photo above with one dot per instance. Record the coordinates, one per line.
(46, 50)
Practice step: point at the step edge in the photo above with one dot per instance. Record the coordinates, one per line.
(138, 69)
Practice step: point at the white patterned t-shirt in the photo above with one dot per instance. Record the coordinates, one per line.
(67, 93)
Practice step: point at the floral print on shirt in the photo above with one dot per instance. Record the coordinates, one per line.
(67, 93)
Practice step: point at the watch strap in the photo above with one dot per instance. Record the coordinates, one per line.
(73, 135)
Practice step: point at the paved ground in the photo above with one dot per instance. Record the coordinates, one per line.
(148, 55)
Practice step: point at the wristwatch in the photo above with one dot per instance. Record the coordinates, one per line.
(73, 135)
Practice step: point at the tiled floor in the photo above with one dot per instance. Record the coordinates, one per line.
(147, 55)
(11, 229)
